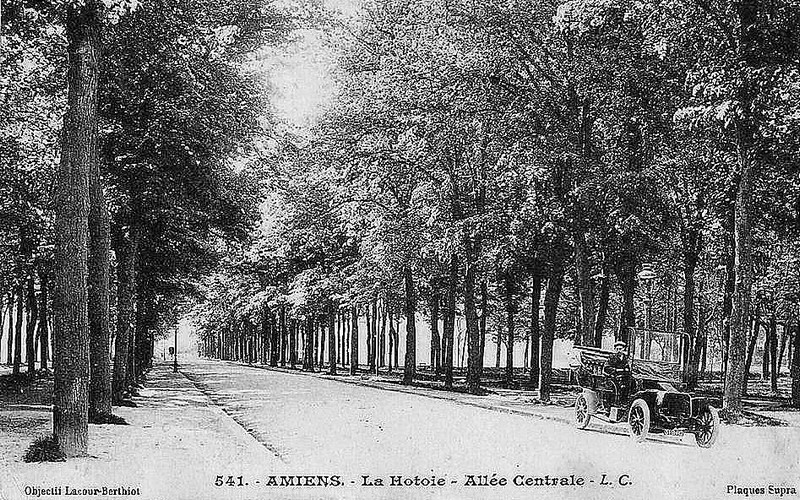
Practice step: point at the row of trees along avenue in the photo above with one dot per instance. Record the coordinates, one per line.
(515, 164)
(109, 216)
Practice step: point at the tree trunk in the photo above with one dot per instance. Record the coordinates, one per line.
(79, 150)
(773, 353)
(754, 329)
(44, 327)
(2, 320)
(382, 338)
(99, 266)
(510, 312)
(354, 340)
(375, 346)
(308, 355)
(536, 291)
(18, 327)
(410, 365)
(695, 343)
(551, 298)
(450, 322)
(628, 316)
(436, 344)
(484, 315)
(782, 350)
(322, 330)
(473, 340)
(794, 369)
(30, 326)
(332, 308)
(584, 286)
(748, 59)
(765, 355)
(602, 311)
(370, 359)
(127, 251)
(10, 341)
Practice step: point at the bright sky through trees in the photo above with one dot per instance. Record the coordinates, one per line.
(301, 71)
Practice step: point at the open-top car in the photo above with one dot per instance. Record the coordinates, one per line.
(645, 395)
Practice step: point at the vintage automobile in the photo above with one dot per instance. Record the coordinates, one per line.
(645, 396)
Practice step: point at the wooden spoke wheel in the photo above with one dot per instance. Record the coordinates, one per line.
(639, 420)
(582, 415)
(707, 428)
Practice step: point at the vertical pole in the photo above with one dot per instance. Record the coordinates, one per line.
(175, 357)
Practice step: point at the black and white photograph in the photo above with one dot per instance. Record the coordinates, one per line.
(399, 249)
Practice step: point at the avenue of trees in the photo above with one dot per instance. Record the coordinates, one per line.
(512, 163)
(518, 165)
(120, 120)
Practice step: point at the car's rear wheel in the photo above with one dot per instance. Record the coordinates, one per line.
(582, 415)
(707, 428)
(639, 420)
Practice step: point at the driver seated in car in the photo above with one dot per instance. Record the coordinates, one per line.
(618, 369)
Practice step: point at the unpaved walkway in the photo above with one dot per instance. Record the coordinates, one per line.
(175, 446)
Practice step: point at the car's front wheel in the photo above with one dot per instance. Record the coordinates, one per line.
(639, 420)
(582, 415)
(707, 428)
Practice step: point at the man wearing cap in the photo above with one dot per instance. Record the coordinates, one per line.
(618, 369)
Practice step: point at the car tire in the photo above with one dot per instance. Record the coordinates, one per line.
(582, 415)
(708, 428)
(639, 420)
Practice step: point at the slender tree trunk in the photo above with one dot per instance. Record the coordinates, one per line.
(410, 365)
(99, 266)
(126, 251)
(436, 344)
(30, 327)
(354, 340)
(376, 347)
(536, 291)
(332, 309)
(18, 327)
(510, 312)
(473, 340)
(44, 327)
(382, 339)
(773, 352)
(368, 324)
(322, 330)
(780, 353)
(2, 319)
(10, 341)
(583, 282)
(602, 311)
(734, 378)
(498, 348)
(308, 355)
(695, 343)
(765, 355)
(392, 342)
(551, 298)
(754, 329)
(484, 315)
(795, 367)
(628, 319)
(450, 322)
(79, 150)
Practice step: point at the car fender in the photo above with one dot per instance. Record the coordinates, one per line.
(650, 397)
(591, 400)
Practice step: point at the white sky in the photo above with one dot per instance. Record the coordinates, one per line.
(300, 73)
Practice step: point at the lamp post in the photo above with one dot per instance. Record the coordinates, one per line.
(648, 279)
(175, 355)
